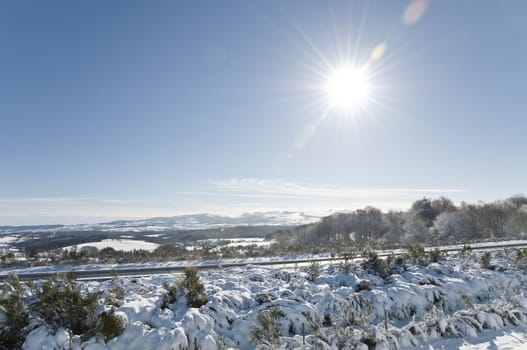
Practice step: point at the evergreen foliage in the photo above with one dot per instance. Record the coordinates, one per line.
(195, 289)
(313, 271)
(15, 314)
(111, 324)
(484, 260)
(374, 264)
(63, 305)
(268, 334)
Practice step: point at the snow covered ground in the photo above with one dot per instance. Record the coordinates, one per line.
(118, 244)
(6, 241)
(241, 242)
(508, 338)
(446, 305)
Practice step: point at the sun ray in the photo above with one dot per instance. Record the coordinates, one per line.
(348, 82)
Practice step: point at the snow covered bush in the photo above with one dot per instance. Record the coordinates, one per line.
(14, 316)
(195, 289)
(313, 270)
(63, 305)
(269, 333)
(346, 265)
(170, 296)
(397, 263)
(189, 287)
(436, 255)
(373, 264)
(520, 260)
(269, 308)
(116, 293)
(343, 338)
(484, 260)
(416, 253)
(111, 324)
(466, 250)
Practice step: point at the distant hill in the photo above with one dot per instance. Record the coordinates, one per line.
(182, 222)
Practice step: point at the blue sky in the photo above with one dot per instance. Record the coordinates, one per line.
(120, 109)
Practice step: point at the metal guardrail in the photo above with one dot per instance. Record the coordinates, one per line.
(160, 270)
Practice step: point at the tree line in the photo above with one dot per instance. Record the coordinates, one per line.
(430, 221)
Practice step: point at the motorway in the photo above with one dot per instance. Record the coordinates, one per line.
(107, 273)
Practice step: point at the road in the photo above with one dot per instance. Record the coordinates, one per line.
(161, 270)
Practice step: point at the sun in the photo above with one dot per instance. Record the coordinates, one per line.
(348, 88)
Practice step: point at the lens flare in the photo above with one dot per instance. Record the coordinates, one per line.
(378, 51)
(414, 11)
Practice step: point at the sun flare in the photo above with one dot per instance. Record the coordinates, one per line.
(348, 88)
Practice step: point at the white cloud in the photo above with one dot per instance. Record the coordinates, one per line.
(232, 196)
(71, 210)
(280, 188)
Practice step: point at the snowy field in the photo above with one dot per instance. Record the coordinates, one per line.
(6, 241)
(446, 305)
(242, 242)
(246, 242)
(216, 244)
(118, 244)
(508, 338)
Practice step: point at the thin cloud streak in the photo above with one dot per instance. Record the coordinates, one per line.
(231, 196)
(280, 188)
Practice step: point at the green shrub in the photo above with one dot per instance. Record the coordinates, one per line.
(63, 305)
(111, 324)
(195, 289)
(116, 293)
(363, 285)
(436, 255)
(520, 261)
(467, 249)
(416, 252)
(484, 260)
(396, 262)
(170, 296)
(346, 266)
(374, 264)
(269, 333)
(313, 271)
(16, 316)
(466, 299)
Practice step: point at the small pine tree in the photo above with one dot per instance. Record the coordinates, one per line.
(436, 255)
(466, 250)
(16, 316)
(484, 260)
(313, 270)
(111, 324)
(346, 266)
(196, 290)
(173, 291)
(269, 333)
(116, 293)
(520, 261)
(374, 264)
(416, 252)
(63, 305)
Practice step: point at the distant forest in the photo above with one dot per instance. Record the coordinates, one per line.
(428, 221)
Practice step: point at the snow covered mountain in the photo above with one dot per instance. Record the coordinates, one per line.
(181, 222)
